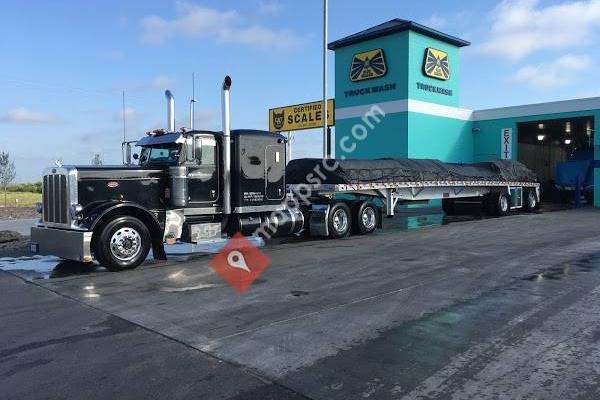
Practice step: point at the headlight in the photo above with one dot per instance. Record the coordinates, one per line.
(76, 210)
(39, 207)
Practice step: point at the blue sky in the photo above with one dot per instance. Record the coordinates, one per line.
(65, 63)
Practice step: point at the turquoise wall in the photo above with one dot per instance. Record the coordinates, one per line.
(441, 138)
(388, 139)
(418, 43)
(395, 49)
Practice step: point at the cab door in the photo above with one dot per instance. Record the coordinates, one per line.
(203, 171)
(275, 172)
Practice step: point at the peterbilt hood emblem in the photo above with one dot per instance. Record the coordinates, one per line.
(112, 184)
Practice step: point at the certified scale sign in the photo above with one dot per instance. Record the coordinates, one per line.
(301, 116)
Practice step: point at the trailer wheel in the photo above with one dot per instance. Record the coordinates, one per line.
(501, 204)
(339, 220)
(448, 206)
(365, 218)
(531, 202)
(123, 243)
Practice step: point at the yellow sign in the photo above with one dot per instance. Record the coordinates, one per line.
(301, 116)
(368, 65)
(436, 64)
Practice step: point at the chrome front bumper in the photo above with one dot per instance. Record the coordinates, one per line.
(71, 245)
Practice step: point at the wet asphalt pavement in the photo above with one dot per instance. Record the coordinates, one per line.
(493, 308)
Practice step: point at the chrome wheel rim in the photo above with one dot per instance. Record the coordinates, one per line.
(368, 218)
(503, 203)
(340, 221)
(125, 244)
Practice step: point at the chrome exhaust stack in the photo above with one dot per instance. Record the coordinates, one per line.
(192, 101)
(170, 111)
(226, 146)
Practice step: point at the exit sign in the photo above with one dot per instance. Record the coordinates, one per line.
(506, 148)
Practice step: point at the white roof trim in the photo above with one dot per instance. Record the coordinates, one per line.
(389, 107)
(554, 107)
(423, 107)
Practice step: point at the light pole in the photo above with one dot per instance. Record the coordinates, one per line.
(325, 132)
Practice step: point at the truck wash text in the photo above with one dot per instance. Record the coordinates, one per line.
(369, 90)
(434, 89)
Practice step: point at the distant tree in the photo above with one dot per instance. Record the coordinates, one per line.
(7, 172)
(97, 159)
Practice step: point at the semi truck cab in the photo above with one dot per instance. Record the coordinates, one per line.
(189, 185)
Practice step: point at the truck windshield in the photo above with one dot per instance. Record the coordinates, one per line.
(167, 154)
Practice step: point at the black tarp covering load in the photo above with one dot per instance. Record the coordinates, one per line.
(307, 170)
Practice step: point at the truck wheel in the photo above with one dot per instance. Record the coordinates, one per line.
(501, 203)
(531, 203)
(365, 218)
(448, 206)
(339, 220)
(123, 243)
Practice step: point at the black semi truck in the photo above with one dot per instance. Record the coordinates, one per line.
(195, 185)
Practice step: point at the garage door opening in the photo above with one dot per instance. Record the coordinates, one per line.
(559, 151)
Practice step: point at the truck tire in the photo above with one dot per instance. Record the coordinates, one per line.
(364, 218)
(531, 202)
(500, 204)
(448, 206)
(122, 243)
(339, 220)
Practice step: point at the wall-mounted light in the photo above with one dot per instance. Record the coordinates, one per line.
(541, 137)
(567, 141)
(567, 127)
(540, 126)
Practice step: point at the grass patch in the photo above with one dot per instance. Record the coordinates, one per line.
(20, 199)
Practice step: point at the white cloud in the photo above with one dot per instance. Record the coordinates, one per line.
(114, 55)
(521, 27)
(224, 26)
(269, 7)
(160, 82)
(22, 115)
(436, 21)
(130, 115)
(555, 73)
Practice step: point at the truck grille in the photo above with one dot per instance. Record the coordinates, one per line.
(56, 199)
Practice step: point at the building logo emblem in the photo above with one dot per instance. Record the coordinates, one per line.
(278, 120)
(436, 64)
(368, 65)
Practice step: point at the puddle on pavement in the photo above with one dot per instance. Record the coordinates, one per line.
(45, 267)
(586, 264)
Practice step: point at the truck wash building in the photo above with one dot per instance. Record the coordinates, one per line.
(411, 73)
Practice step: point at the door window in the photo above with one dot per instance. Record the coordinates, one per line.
(205, 151)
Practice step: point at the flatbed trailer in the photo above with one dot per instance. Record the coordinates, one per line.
(394, 192)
